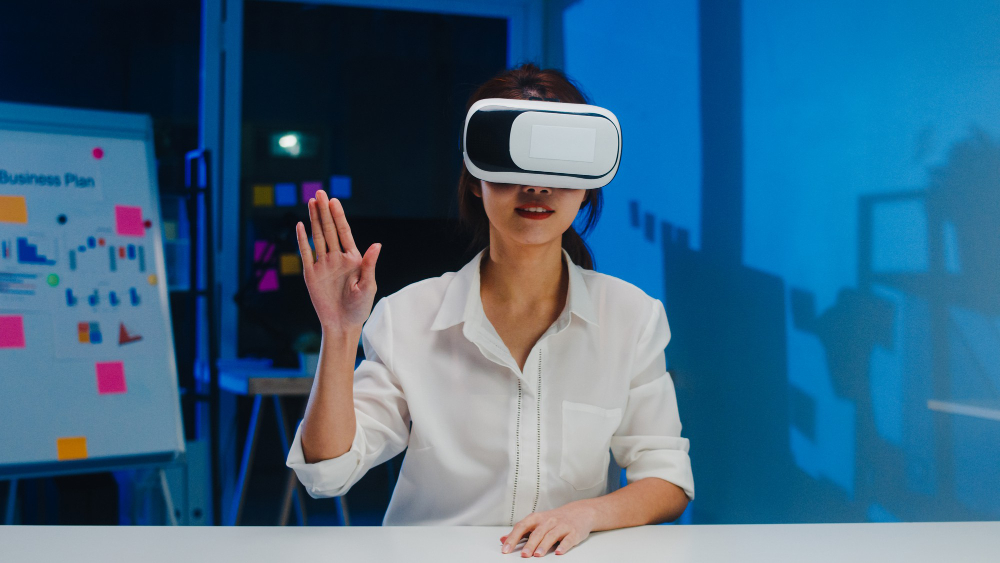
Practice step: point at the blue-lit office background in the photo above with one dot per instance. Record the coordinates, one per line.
(813, 190)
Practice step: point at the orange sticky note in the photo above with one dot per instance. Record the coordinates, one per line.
(290, 264)
(74, 447)
(13, 209)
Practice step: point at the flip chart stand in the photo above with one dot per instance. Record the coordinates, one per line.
(89, 179)
(11, 502)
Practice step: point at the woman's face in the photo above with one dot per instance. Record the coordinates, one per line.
(507, 207)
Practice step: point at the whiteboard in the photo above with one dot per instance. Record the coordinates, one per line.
(88, 376)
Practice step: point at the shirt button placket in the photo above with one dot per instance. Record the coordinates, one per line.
(527, 482)
(538, 431)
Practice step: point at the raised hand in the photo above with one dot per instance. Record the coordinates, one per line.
(341, 282)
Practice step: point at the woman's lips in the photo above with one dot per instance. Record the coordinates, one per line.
(534, 214)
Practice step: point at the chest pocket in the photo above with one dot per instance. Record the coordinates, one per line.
(586, 441)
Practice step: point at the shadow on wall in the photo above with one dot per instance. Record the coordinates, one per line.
(853, 413)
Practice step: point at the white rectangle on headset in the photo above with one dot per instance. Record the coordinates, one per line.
(574, 144)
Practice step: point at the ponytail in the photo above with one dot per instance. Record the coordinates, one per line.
(577, 249)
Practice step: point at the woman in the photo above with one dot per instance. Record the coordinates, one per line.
(507, 381)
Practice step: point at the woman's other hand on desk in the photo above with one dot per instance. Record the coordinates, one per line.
(341, 282)
(567, 526)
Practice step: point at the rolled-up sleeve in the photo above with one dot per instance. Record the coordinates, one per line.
(383, 419)
(648, 441)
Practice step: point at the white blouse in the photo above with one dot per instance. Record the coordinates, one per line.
(490, 444)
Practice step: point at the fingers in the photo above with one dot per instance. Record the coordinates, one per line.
(326, 218)
(305, 252)
(343, 229)
(514, 537)
(319, 241)
(543, 532)
(554, 535)
(533, 547)
(566, 543)
(368, 266)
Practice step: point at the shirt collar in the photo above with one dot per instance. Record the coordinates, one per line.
(463, 303)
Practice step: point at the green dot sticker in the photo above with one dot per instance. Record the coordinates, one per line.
(53, 280)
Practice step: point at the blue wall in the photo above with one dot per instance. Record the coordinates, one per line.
(649, 77)
(814, 191)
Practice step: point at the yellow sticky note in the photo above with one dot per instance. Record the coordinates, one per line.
(290, 264)
(263, 196)
(13, 209)
(74, 447)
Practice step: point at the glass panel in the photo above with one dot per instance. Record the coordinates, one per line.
(367, 104)
(116, 55)
(377, 96)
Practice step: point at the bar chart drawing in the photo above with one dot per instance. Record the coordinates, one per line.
(125, 252)
(27, 253)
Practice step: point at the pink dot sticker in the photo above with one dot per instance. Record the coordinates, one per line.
(98, 153)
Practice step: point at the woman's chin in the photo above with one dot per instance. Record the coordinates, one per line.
(536, 240)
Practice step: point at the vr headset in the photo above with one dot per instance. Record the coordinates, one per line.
(541, 143)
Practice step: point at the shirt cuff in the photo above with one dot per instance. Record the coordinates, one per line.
(671, 465)
(330, 477)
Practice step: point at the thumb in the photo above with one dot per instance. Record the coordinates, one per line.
(368, 265)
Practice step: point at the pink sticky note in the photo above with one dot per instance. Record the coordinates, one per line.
(262, 251)
(110, 377)
(309, 190)
(128, 221)
(269, 281)
(11, 331)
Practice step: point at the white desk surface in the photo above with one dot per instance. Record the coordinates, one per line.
(964, 542)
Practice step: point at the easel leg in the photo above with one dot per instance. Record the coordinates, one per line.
(342, 510)
(11, 502)
(168, 500)
(286, 501)
(293, 483)
(292, 487)
(236, 510)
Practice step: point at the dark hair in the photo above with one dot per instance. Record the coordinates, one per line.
(521, 83)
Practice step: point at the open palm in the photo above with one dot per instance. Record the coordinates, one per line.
(341, 282)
